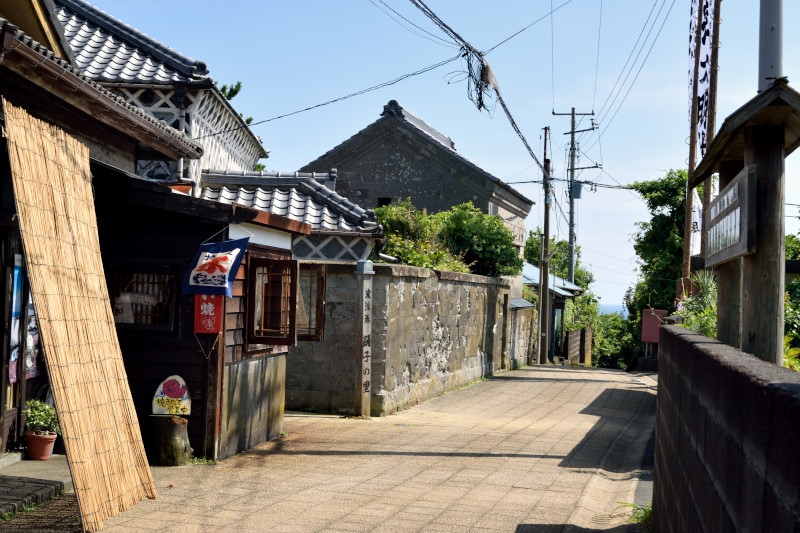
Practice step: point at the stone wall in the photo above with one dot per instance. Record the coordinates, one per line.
(431, 332)
(521, 338)
(578, 346)
(727, 431)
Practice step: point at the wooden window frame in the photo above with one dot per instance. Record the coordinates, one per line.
(117, 267)
(319, 326)
(289, 337)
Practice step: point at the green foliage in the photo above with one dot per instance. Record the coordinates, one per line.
(792, 247)
(484, 242)
(203, 461)
(612, 341)
(230, 91)
(700, 311)
(259, 167)
(659, 244)
(559, 262)
(640, 514)
(412, 237)
(529, 294)
(791, 355)
(41, 417)
(791, 312)
(462, 239)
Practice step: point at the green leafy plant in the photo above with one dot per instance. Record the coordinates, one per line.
(700, 311)
(791, 355)
(203, 461)
(41, 418)
(640, 514)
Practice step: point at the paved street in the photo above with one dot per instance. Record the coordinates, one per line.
(538, 449)
(531, 450)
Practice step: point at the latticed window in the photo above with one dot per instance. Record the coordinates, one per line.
(271, 301)
(143, 299)
(311, 303)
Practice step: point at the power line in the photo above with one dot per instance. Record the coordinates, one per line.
(637, 74)
(439, 40)
(550, 14)
(597, 60)
(357, 93)
(641, 66)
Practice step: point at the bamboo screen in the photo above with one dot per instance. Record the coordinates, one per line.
(55, 206)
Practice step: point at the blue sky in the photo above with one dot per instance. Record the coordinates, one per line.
(292, 55)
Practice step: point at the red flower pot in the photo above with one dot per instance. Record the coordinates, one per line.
(40, 446)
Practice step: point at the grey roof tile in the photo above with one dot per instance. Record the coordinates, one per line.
(46, 52)
(110, 51)
(298, 196)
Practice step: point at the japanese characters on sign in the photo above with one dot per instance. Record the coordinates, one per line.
(214, 268)
(172, 397)
(366, 341)
(208, 313)
(731, 220)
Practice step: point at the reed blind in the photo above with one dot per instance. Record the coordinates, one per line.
(55, 206)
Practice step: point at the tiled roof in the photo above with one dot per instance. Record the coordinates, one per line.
(298, 196)
(394, 111)
(164, 131)
(519, 303)
(530, 276)
(110, 51)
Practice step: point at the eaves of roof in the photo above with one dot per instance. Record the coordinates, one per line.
(144, 192)
(395, 115)
(30, 59)
(304, 198)
(128, 47)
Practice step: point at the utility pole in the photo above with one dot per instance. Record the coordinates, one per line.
(544, 270)
(686, 269)
(572, 155)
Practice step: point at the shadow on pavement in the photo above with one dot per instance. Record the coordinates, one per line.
(623, 415)
(565, 528)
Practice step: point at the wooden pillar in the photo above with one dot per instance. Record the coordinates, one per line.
(764, 271)
(729, 278)
(363, 352)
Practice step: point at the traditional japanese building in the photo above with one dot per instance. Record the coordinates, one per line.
(165, 84)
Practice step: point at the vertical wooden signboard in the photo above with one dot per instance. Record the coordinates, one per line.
(363, 378)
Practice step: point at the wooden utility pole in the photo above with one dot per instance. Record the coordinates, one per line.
(687, 217)
(573, 151)
(544, 269)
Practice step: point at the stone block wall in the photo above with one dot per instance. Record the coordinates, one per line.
(431, 332)
(521, 337)
(578, 346)
(727, 428)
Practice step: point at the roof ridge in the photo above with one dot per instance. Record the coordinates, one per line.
(186, 65)
(41, 49)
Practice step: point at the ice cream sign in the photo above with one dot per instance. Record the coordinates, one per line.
(172, 398)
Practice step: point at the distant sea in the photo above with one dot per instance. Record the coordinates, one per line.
(609, 309)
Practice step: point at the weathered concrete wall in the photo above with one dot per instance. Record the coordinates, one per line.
(727, 431)
(521, 338)
(431, 332)
(253, 402)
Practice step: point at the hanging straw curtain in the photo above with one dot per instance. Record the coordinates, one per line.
(55, 206)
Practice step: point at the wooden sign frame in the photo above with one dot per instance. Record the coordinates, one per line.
(731, 221)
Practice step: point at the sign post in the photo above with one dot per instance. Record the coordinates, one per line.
(363, 377)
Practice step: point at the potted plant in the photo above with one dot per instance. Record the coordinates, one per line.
(43, 429)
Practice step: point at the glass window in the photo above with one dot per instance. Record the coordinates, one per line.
(272, 301)
(311, 303)
(143, 300)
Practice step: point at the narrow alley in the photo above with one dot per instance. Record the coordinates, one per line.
(536, 449)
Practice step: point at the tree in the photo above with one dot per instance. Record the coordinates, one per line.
(461, 239)
(583, 310)
(658, 243)
(484, 242)
(412, 236)
(792, 247)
